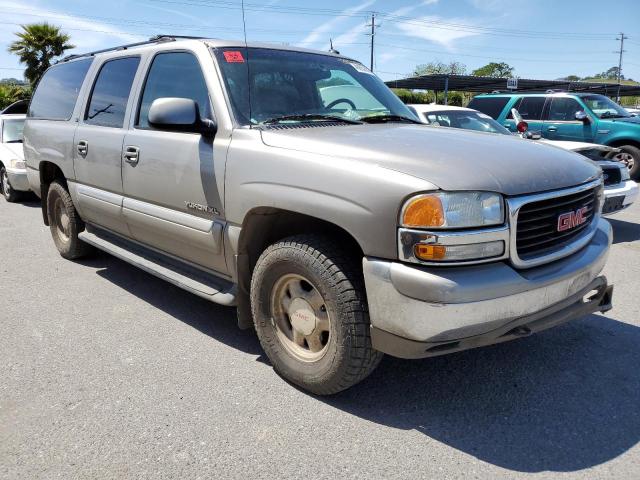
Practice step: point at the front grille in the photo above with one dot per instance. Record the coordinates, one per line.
(612, 176)
(537, 228)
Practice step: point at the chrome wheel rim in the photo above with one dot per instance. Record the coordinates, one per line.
(300, 317)
(625, 158)
(61, 219)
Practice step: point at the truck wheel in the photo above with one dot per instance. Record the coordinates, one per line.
(65, 223)
(310, 312)
(8, 193)
(630, 156)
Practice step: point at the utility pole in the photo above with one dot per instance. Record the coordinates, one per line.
(373, 35)
(622, 39)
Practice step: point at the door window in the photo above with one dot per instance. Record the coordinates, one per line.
(530, 108)
(111, 93)
(174, 74)
(57, 92)
(563, 109)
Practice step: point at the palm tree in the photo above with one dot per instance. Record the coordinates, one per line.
(37, 45)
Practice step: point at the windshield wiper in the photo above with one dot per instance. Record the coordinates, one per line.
(309, 117)
(388, 118)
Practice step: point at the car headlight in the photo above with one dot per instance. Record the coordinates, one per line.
(17, 163)
(443, 210)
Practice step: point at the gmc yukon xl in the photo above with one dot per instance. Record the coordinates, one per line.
(340, 228)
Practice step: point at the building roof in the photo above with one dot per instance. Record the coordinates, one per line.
(470, 83)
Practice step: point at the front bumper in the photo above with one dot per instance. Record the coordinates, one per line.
(425, 311)
(18, 179)
(620, 196)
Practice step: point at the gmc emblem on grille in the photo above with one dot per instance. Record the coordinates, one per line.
(569, 220)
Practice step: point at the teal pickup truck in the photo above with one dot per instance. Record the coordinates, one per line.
(581, 117)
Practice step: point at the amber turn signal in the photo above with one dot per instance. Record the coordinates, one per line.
(430, 252)
(424, 211)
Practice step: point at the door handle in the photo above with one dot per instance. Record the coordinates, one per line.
(83, 148)
(552, 129)
(131, 155)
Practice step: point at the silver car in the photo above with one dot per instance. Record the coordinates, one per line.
(13, 171)
(341, 228)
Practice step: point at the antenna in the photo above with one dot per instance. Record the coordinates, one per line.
(246, 48)
(331, 49)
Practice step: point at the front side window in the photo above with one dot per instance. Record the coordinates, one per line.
(604, 107)
(174, 74)
(111, 91)
(563, 109)
(12, 130)
(56, 94)
(266, 84)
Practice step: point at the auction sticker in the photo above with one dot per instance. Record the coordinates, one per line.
(233, 56)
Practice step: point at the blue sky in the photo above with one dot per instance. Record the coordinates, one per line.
(542, 39)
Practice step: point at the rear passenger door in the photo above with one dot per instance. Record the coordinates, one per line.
(172, 200)
(561, 123)
(98, 144)
(531, 109)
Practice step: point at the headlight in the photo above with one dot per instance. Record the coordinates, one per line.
(17, 163)
(453, 210)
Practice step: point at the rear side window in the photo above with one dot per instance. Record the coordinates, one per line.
(111, 93)
(530, 107)
(491, 106)
(174, 74)
(58, 89)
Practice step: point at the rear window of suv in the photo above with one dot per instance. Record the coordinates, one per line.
(58, 89)
(491, 106)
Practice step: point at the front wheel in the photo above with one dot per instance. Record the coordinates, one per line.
(8, 193)
(630, 156)
(310, 313)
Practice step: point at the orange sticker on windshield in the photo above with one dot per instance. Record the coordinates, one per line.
(233, 57)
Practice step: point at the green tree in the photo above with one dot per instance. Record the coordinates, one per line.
(438, 67)
(10, 93)
(611, 74)
(571, 78)
(37, 45)
(493, 69)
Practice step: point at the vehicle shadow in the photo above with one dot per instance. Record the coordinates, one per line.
(624, 231)
(214, 320)
(564, 400)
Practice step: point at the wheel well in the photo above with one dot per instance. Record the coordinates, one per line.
(264, 226)
(48, 173)
(620, 143)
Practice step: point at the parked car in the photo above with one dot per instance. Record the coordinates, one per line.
(634, 112)
(580, 117)
(619, 190)
(341, 228)
(13, 172)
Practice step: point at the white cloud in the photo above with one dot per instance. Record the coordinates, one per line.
(319, 34)
(446, 35)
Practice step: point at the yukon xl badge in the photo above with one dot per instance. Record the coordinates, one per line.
(202, 208)
(569, 220)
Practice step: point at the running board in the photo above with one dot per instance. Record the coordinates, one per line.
(189, 278)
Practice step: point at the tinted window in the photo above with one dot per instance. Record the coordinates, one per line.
(563, 109)
(58, 90)
(491, 106)
(176, 74)
(530, 108)
(111, 93)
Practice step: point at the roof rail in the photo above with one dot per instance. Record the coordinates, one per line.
(556, 90)
(154, 39)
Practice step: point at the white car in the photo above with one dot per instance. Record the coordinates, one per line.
(13, 171)
(620, 190)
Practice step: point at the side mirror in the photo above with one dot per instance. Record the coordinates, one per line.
(181, 115)
(582, 116)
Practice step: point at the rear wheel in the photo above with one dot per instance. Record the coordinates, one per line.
(630, 156)
(310, 313)
(65, 223)
(8, 193)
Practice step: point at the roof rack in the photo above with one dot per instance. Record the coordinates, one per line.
(154, 39)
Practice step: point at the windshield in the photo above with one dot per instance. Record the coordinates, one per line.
(603, 107)
(12, 130)
(304, 85)
(467, 120)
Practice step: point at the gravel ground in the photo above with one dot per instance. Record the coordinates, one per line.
(108, 372)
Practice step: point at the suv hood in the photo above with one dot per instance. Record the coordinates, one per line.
(452, 159)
